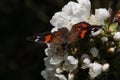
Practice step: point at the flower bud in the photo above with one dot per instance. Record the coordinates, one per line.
(104, 39)
(71, 76)
(59, 70)
(105, 67)
(94, 51)
(117, 36)
(111, 50)
(84, 56)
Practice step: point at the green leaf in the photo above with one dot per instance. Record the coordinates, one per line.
(106, 25)
(103, 32)
(118, 28)
(113, 26)
(118, 44)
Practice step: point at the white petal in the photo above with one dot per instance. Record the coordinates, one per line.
(85, 7)
(50, 51)
(56, 60)
(86, 2)
(94, 51)
(72, 60)
(67, 9)
(92, 20)
(48, 65)
(54, 29)
(104, 39)
(117, 36)
(86, 63)
(48, 75)
(59, 70)
(71, 76)
(84, 56)
(44, 74)
(51, 46)
(72, 10)
(59, 20)
(77, 12)
(95, 69)
(101, 14)
(61, 77)
(70, 64)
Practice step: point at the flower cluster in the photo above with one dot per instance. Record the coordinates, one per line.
(91, 55)
(58, 62)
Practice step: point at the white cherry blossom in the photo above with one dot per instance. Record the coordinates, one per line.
(75, 12)
(86, 63)
(95, 69)
(99, 17)
(70, 64)
(57, 62)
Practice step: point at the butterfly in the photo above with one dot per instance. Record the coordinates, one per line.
(65, 36)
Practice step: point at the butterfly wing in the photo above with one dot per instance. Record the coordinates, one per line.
(82, 30)
(59, 37)
(56, 38)
(93, 30)
(78, 31)
(41, 37)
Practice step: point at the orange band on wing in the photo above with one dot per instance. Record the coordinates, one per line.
(82, 35)
(47, 38)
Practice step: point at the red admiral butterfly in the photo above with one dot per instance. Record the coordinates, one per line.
(63, 35)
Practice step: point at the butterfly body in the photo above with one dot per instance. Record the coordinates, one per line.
(64, 36)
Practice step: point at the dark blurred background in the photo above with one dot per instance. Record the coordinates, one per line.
(21, 59)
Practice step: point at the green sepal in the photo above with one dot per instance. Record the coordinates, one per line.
(113, 26)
